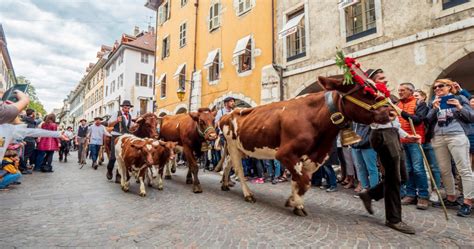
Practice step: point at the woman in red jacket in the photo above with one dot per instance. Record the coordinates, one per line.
(47, 145)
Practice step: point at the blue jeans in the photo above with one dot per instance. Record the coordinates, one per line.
(366, 166)
(417, 179)
(431, 157)
(247, 165)
(330, 175)
(269, 166)
(9, 179)
(94, 149)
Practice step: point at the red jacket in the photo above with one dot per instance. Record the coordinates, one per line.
(49, 143)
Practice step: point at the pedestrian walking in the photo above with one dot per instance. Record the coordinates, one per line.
(81, 139)
(96, 137)
(66, 145)
(121, 121)
(385, 139)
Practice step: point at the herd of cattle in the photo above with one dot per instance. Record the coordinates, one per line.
(297, 132)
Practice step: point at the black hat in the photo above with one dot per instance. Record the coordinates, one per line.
(228, 99)
(372, 72)
(83, 120)
(126, 103)
(98, 118)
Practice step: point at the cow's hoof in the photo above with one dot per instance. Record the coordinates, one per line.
(168, 177)
(250, 199)
(160, 188)
(225, 188)
(189, 181)
(150, 185)
(143, 194)
(197, 189)
(125, 189)
(137, 181)
(288, 203)
(100, 163)
(300, 212)
(173, 170)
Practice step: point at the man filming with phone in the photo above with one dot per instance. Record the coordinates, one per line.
(9, 111)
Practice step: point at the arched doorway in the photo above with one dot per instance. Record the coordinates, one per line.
(181, 110)
(239, 103)
(461, 71)
(314, 87)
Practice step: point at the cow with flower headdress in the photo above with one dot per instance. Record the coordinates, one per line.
(299, 132)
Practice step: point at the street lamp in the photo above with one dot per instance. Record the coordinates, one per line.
(180, 93)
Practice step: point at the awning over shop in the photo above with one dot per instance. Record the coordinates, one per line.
(211, 57)
(241, 46)
(291, 26)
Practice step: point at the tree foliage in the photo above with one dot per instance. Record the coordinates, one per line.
(35, 103)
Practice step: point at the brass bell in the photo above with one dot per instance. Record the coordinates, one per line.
(349, 137)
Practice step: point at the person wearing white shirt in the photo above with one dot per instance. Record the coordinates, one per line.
(96, 137)
(121, 122)
(385, 139)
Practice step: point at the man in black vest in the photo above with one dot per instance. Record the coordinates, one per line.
(81, 139)
(121, 121)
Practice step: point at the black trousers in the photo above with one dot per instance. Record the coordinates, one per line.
(386, 142)
(29, 154)
(112, 159)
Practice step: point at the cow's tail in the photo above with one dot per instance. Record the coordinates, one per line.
(220, 165)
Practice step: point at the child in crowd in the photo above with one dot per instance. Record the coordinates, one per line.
(9, 172)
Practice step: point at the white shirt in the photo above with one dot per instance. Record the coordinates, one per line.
(114, 117)
(8, 132)
(394, 124)
(96, 134)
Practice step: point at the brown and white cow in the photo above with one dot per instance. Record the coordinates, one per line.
(135, 156)
(162, 156)
(298, 132)
(190, 131)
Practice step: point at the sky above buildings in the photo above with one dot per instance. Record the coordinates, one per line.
(51, 42)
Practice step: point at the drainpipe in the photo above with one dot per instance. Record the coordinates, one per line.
(196, 6)
(154, 107)
(277, 67)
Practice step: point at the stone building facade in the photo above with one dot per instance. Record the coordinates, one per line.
(412, 41)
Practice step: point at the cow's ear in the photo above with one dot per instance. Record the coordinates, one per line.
(214, 113)
(194, 115)
(329, 84)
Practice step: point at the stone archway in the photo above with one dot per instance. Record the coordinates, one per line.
(311, 87)
(461, 71)
(181, 108)
(240, 101)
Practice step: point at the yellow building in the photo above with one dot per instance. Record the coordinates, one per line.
(94, 86)
(211, 49)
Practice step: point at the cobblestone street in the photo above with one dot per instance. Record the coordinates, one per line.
(75, 207)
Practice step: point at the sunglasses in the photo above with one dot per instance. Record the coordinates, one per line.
(438, 86)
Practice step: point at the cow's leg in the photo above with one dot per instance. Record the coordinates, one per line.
(160, 180)
(193, 169)
(226, 175)
(173, 164)
(167, 169)
(301, 172)
(236, 161)
(122, 168)
(142, 183)
(189, 176)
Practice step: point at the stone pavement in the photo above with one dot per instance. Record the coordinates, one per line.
(75, 207)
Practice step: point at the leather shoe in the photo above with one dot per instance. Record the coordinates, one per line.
(367, 201)
(401, 227)
(109, 175)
